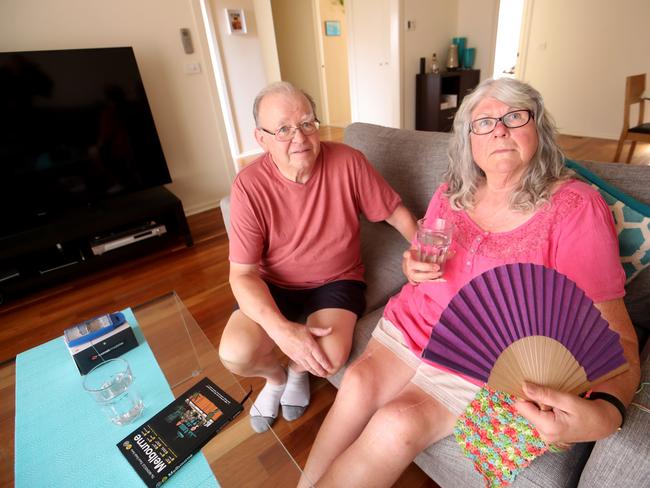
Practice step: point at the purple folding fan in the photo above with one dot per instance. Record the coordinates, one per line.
(525, 322)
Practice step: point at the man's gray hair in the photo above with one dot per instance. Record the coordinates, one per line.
(546, 167)
(283, 87)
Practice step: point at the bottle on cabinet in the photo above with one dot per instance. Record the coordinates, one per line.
(435, 67)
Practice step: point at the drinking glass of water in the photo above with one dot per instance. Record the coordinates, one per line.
(433, 241)
(111, 385)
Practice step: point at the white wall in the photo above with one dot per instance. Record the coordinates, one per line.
(266, 34)
(580, 52)
(477, 20)
(435, 26)
(187, 116)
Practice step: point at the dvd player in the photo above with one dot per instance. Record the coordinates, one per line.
(100, 246)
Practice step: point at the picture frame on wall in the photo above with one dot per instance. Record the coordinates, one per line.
(236, 21)
(332, 28)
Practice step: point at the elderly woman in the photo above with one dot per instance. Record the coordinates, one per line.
(511, 200)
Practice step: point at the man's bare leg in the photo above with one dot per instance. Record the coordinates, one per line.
(336, 346)
(247, 350)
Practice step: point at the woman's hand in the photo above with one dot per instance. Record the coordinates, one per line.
(570, 418)
(418, 271)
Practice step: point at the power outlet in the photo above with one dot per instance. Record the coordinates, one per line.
(410, 25)
(192, 68)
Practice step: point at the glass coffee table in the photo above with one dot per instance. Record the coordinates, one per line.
(237, 455)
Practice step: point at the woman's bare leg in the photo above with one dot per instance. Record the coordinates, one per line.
(395, 435)
(370, 382)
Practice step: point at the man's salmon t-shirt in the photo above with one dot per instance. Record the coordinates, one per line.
(303, 235)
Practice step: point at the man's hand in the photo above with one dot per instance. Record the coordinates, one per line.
(418, 271)
(298, 343)
(570, 418)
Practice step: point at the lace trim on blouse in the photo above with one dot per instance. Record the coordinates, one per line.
(521, 241)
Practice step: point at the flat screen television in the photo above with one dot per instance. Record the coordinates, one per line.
(75, 129)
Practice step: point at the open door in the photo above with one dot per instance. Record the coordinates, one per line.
(512, 36)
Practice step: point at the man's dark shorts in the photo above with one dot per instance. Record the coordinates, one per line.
(297, 304)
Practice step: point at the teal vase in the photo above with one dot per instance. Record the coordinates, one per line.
(469, 58)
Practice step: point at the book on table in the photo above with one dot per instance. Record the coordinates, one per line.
(164, 443)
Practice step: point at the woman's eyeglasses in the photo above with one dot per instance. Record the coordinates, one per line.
(512, 120)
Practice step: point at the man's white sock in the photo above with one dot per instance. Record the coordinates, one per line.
(267, 402)
(295, 398)
(265, 409)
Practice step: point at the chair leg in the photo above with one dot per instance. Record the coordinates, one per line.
(619, 149)
(629, 155)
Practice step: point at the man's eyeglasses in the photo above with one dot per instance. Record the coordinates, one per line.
(286, 132)
(512, 120)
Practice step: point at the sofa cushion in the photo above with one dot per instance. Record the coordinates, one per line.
(224, 205)
(381, 253)
(632, 220)
(413, 162)
(634, 181)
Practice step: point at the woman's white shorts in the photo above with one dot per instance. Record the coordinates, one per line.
(452, 391)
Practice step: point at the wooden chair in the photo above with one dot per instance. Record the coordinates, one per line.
(634, 88)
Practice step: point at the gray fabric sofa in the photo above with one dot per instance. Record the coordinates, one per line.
(413, 163)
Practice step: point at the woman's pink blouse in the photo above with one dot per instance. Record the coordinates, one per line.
(573, 234)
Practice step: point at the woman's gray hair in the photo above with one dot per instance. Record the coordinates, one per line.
(283, 87)
(546, 167)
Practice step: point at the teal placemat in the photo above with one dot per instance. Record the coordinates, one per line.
(62, 437)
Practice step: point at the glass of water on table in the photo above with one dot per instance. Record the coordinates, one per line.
(111, 386)
(433, 240)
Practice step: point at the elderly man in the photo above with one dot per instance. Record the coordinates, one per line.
(295, 252)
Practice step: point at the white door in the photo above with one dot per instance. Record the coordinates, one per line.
(374, 61)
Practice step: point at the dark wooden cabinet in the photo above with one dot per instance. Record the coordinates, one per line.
(438, 96)
(60, 247)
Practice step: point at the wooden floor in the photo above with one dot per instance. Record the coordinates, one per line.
(577, 147)
(200, 277)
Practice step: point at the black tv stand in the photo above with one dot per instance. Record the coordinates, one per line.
(84, 240)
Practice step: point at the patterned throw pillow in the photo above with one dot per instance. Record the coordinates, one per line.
(632, 220)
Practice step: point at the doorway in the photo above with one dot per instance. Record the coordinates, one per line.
(313, 60)
(507, 58)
